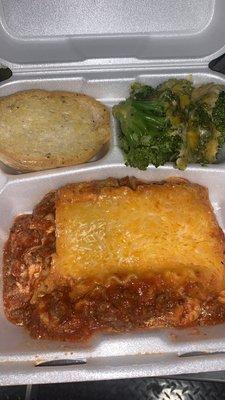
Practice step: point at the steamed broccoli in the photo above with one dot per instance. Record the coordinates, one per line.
(145, 136)
(139, 91)
(199, 135)
(177, 86)
(161, 150)
(218, 114)
(173, 122)
(180, 89)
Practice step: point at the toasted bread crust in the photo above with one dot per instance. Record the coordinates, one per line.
(42, 129)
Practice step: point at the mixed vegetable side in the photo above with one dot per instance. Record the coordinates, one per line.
(173, 122)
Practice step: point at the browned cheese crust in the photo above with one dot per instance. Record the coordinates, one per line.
(48, 308)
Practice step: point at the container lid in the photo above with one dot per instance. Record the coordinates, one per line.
(90, 32)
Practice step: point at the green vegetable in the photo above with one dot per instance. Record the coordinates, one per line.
(218, 114)
(139, 91)
(174, 122)
(164, 149)
(199, 133)
(177, 86)
(145, 137)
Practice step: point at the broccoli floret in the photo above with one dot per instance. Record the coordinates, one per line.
(173, 122)
(176, 86)
(169, 97)
(161, 149)
(201, 120)
(177, 92)
(200, 144)
(218, 114)
(139, 91)
(145, 133)
(199, 116)
(140, 116)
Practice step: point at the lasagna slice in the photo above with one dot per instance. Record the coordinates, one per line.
(115, 256)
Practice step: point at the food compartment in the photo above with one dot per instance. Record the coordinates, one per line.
(19, 194)
(84, 141)
(157, 350)
(109, 88)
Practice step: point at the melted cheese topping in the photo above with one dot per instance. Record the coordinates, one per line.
(154, 228)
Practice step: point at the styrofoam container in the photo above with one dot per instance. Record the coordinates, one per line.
(99, 48)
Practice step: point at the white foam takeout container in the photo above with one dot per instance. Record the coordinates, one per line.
(99, 47)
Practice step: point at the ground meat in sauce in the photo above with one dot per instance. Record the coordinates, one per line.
(121, 304)
(27, 256)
